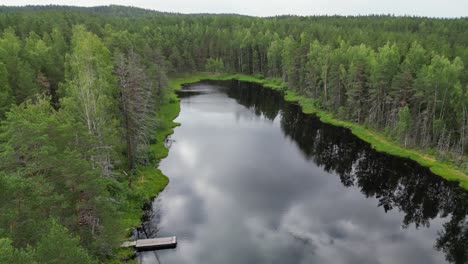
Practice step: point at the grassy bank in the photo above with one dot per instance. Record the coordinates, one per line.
(148, 181)
(378, 141)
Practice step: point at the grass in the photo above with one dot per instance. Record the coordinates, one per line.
(148, 181)
(377, 140)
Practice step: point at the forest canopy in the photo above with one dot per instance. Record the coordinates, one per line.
(80, 89)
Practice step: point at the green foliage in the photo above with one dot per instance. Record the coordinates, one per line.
(214, 65)
(359, 83)
(59, 246)
(24, 198)
(36, 51)
(26, 82)
(54, 64)
(275, 58)
(8, 254)
(90, 93)
(62, 156)
(47, 151)
(435, 85)
(20, 74)
(404, 124)
(6, 94)
(384, 68)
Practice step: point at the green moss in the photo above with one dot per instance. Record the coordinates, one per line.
(166, 114)
(377, 140)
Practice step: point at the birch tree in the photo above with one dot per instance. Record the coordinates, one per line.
(89, 92)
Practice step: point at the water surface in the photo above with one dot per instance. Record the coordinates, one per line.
(254, 180)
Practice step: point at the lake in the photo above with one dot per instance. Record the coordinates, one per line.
(254, 180)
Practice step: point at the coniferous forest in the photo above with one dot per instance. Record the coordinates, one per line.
(81, 91)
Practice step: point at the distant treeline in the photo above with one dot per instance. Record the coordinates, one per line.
(79, 89)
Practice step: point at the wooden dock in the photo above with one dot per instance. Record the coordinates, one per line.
(152, 244)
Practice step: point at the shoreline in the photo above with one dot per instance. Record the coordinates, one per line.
(378, 141)
(150, 181)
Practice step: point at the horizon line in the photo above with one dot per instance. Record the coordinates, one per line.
(237, 14)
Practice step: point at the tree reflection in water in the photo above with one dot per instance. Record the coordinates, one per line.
(396, 183)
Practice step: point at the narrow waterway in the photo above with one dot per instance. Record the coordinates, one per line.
(254, 180)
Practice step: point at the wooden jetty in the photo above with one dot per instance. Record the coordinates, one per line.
(152, 244)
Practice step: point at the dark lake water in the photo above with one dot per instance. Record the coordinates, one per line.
(253, 180)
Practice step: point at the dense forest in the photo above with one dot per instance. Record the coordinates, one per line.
(80, 89)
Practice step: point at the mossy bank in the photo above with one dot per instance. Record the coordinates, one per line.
(148, 182)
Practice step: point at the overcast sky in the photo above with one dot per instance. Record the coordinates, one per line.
(431, 8)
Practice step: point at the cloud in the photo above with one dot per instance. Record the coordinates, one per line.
(262, 202)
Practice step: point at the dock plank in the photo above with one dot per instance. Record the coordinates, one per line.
(152, 243)
(129, 244)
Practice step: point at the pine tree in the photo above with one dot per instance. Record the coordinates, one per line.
(359, 83)
(6, 94)
(385, 67)
(8, 254)
(59, 246)
(404, 124)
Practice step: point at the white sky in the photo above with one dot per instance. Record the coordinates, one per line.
(431, 8)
